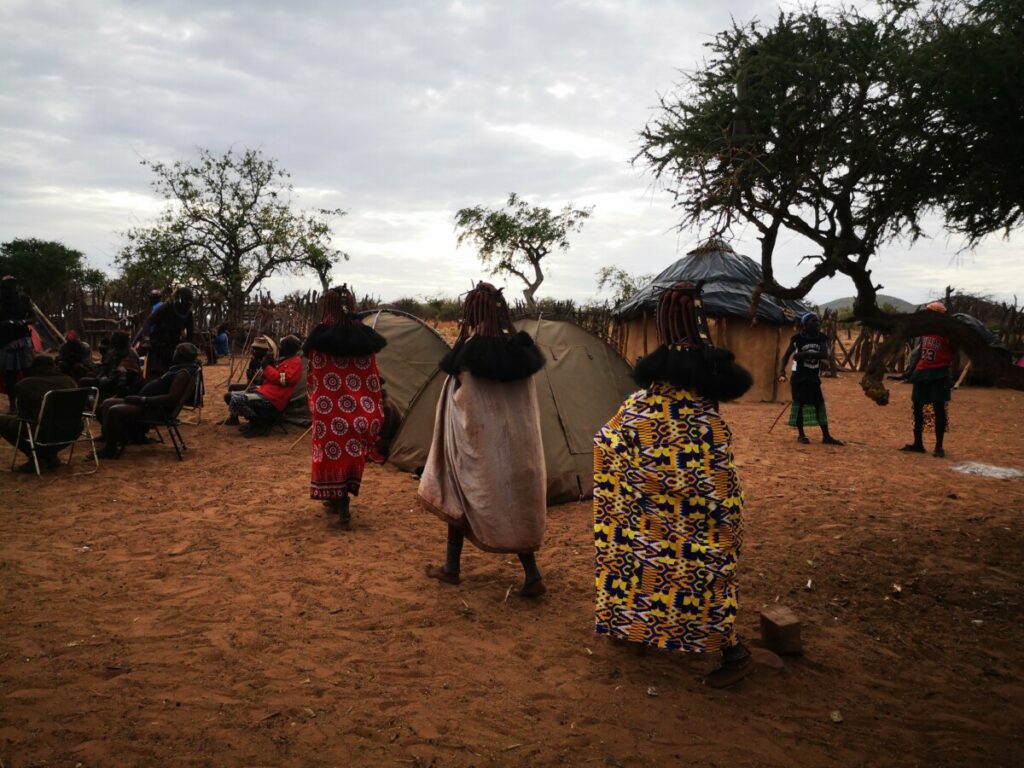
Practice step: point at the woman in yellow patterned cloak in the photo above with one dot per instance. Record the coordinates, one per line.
(667, 502)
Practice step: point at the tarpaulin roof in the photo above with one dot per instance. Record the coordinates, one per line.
(980, 328)
(729, 280)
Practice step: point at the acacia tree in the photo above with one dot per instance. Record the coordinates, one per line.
(514, 240)
(820, 125)
(228, 226)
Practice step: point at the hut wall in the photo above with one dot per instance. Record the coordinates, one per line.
(758, 348)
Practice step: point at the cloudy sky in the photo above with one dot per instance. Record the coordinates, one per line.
(398, 112)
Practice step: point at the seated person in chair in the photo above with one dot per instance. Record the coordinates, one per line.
(41, 377)
(122, 418)
(265, 405)
(262, 351)
(119, 373)
(74, 358)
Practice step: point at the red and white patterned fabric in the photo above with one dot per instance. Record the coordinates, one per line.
(344, 400)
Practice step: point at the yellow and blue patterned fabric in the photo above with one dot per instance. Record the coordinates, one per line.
(667, 523)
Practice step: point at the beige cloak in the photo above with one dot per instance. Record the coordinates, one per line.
(485, 472)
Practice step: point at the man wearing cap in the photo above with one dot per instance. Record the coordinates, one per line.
(262, 352)
(808, 348)
(41, 377)
(270, 399)
(932, 380)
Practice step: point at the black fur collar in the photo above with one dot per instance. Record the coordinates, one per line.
(499, 359)
(344, 340)
(712, 373)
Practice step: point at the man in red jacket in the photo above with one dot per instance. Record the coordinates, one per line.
(263, 406)
(932, 379)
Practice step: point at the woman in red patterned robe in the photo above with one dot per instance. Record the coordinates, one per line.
(344, 389)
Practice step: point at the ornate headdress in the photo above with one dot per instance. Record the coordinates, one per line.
(680, 318)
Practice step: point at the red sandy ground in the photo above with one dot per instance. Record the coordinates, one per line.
(208, 613)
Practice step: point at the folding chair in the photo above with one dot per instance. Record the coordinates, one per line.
(63, 417)
(171, 421)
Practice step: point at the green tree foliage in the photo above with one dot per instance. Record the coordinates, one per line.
(228, 226)
(822, 125)
(47, 270)
(970, 69)
(515, 239)
(621, 283)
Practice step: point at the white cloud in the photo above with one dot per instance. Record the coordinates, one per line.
(399, 113)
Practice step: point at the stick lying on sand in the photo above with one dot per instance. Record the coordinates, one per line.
(308, 430)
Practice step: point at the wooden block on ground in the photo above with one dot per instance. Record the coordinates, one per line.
(780, 630)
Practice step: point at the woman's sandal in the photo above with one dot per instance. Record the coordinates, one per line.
(439, 573)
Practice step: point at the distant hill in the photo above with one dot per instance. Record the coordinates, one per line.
(897, 304)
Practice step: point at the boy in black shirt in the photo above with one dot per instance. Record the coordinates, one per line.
(808, 348)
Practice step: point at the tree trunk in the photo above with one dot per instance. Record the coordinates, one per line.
(236, 306)
(531, 288)
(531, 305)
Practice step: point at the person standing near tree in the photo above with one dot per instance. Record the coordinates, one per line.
(171, 323)
(668, 509)
(343, 385)
(933, 385)
(808, 348)
(15, 335)
(485, 475)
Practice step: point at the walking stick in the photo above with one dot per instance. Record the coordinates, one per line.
(250, 336)
(248, 388)
(784, 409)
(308, 430)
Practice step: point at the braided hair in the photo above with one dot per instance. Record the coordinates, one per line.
(339, 303)
(489, 347)
(686, 358)
(341, 332)
(485, 314)
(680, 318)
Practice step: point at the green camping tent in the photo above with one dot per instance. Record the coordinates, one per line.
(410, 359)
(579, 389)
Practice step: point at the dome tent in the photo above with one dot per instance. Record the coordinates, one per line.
(579, 389)
(410, 359)
(729, 280)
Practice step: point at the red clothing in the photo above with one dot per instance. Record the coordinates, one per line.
(936, 352)
(344, 400)
(279, 383)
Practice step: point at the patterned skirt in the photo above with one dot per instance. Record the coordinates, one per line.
(810, 415)
(667, 523)
(344, 401)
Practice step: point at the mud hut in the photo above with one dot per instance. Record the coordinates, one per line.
(729, 281)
